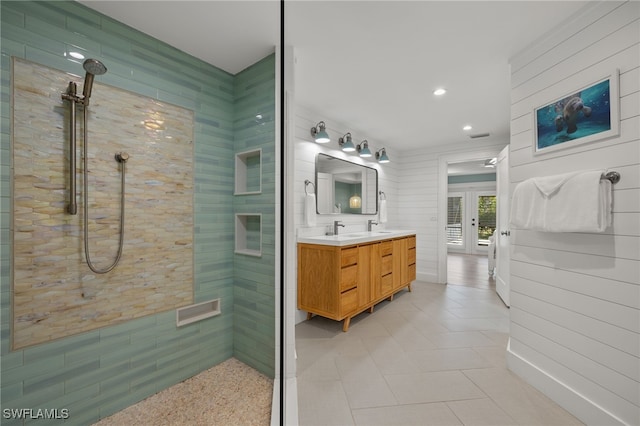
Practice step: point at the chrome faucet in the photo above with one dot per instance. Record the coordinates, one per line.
(369, 223)
(336, 223)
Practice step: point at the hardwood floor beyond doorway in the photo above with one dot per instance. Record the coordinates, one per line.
(469, 270)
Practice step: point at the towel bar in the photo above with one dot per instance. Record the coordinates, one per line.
(614, 177)
(306, 183)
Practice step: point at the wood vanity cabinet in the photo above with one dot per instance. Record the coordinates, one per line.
(339, 282)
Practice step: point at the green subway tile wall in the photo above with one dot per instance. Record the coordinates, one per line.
(254, 289)
(97, 373)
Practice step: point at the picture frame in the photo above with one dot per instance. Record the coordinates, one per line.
(587, 114)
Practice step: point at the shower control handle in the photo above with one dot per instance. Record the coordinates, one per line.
(122, 157)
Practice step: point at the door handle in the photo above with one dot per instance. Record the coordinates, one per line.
(507, 233)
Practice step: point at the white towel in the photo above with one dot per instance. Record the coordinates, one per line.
(549, 185)
(383, 211)
(310, 209)
(572, 202)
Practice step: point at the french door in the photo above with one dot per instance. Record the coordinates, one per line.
(471, 220)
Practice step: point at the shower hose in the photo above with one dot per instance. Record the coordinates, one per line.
(86, 205)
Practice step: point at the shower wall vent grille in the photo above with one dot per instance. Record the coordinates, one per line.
(199, 311)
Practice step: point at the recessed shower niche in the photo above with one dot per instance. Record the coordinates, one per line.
(249, 234)
(55, 294)
(248, 172)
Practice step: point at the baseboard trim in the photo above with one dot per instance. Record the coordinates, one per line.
(430, 278)
(568, 398)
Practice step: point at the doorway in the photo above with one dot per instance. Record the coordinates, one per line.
(471, 220)
(444, 163)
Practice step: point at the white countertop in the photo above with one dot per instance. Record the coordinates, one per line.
(349, 238)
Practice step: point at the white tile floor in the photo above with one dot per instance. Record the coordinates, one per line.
(435, 356)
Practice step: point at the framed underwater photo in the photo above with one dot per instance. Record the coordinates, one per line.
(588, 114)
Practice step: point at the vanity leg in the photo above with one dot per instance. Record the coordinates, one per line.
(409, 287)
(371, 309)
(391, 298)
(345, 324)
(309, 315)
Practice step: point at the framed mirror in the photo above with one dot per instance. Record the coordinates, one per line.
(343, 187)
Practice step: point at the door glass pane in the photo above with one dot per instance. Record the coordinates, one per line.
(486, 218)
(454, 221)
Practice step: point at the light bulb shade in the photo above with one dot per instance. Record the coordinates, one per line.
(363, 149)
(382, 157)
(319, 133)
(346, 143)
(348, 147)
(355, 202)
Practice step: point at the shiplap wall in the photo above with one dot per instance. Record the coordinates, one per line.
(304, 168)
(575, 297)
(418, 203)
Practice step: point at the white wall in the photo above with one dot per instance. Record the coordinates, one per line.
(422, 181)
(306, 149)
(575, 298)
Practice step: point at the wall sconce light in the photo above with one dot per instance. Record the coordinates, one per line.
(319, 133)
(346, 143)
(355, 202)
(363, 149)
(381, 156)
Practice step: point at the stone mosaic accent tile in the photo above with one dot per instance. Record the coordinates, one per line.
(55, 294)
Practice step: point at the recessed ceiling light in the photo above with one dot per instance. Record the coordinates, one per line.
(439, 92)
(467, 127)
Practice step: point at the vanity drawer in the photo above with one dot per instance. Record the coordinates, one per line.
(411, 257)
(412, 272)
(349, 278)
(411, 242)
(386, 265)
(349, 257)
(386, 284)
(386, 248)
(349, 301)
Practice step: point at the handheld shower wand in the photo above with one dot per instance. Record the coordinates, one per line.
(93, 67)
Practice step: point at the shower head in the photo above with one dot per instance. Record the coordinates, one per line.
(93, 67)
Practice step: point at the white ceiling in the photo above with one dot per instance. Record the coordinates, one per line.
(372, 64)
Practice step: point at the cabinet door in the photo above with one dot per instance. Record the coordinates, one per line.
(365, 290)
(319, 279)
(411, 259)
(399, 263)
(376, 291)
